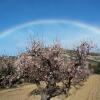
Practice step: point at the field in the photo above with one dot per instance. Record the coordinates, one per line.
(89, 91)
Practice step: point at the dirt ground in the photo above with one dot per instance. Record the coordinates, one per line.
(90, 91)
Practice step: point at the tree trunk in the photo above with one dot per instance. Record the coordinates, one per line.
(44, 95)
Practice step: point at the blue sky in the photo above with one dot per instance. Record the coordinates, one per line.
(20, 12)
(15, 12)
